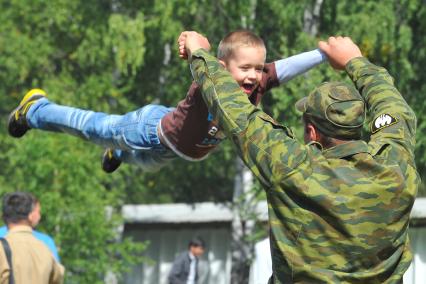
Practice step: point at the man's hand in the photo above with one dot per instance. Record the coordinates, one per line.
(189, 42)
(340, 50)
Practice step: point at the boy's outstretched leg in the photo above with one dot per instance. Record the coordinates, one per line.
(17, 124)
(135, 130)
(109, 162)
(133, 135)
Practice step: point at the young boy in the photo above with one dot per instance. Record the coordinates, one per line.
(154, 134)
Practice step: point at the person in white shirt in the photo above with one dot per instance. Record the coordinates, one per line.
(185, 266)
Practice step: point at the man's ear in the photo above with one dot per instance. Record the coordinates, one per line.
(312, 133)
(31, 216)
(223, 63)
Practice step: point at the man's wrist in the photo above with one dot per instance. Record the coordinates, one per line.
(354, 65)
(197, 53)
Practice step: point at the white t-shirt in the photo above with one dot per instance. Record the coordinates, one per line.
(192, 269)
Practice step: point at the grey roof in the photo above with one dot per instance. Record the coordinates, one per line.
(419, 209)
(207, 212)
(185, 213)
(177, 213)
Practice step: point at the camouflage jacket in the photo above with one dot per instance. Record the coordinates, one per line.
(339, 215)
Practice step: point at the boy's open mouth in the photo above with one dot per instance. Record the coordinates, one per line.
(247, 88)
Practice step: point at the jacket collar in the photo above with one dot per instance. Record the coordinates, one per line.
(191, 256)
(21, 229)
(346, 149)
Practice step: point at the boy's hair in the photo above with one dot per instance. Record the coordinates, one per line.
(236, 39)
(197, 242)
(17, 206)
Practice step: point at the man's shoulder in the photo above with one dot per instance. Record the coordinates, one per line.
(43, 237)
(183, 254)
(39, 235)
(41, 247)
(28, 239)
(182, 257)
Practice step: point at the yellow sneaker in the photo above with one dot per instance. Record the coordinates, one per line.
(17, 124)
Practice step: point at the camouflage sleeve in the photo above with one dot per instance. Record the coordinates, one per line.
(267, 148)
(393, 125)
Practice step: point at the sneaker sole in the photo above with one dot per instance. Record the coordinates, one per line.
(108, 156)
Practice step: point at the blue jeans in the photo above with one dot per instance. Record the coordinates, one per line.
(133, 135)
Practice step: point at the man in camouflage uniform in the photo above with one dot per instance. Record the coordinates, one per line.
(338, 207)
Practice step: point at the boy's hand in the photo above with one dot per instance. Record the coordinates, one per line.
(340, 50)
(189, 42)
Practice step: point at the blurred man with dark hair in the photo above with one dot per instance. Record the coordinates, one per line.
(185, 266)
(32, 261)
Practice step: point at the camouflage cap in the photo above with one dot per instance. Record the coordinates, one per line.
(336, 109)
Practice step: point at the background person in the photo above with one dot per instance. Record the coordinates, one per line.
(32, 261)
(185, 266)
(46, 239)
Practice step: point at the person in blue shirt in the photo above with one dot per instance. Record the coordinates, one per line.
(46, 239)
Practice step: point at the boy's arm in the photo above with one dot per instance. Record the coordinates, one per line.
(290, 67)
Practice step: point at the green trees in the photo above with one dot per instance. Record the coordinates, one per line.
(78, 52)
(115, 56)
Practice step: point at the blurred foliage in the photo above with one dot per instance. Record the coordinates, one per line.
(115, 56)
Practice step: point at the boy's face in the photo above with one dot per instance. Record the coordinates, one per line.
(246, 67)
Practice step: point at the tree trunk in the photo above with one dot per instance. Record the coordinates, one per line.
(242, 226)
(311, 18)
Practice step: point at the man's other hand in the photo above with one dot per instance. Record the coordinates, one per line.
(340, 50)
